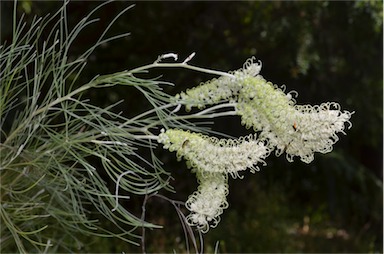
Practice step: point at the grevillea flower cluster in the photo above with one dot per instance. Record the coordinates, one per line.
(208, 202)
(298, 130)
(222, 89)
(281, 125)
(212, 159)
(213, 155)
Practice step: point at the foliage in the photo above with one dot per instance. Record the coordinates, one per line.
(53, 141)
(334, 48)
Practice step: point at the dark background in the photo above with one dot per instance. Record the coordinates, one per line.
(327, 51)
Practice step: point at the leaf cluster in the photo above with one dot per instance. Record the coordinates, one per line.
(59, 153)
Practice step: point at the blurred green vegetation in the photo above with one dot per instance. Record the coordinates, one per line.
(327, 51)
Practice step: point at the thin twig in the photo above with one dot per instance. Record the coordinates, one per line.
(181, 65)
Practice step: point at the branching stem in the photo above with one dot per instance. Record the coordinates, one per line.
(180, 65)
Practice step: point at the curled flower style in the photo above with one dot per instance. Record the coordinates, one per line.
(208, 202)
(209, 154)
(297, 130)
(250, 68)
(224, 88)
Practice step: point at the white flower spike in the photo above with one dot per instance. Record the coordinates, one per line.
(298, 130)
(208, 202)
(212, 160)
(213, 155)
(224, 88)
